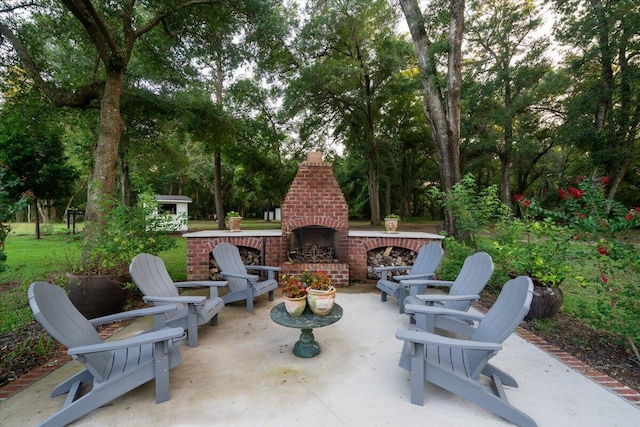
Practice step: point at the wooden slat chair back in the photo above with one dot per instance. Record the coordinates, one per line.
(242, 284)
(424, 267)
(457, 364)
(152, 278)
(463, 291)
(113, 368)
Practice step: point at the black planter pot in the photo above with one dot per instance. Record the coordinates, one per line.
(546, 302)
(97, 295)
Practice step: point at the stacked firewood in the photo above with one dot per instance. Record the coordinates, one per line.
(388, 256)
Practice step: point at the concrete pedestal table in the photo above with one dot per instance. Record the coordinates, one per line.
(306, 346)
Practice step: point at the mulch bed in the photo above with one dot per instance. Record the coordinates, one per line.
(599, 349)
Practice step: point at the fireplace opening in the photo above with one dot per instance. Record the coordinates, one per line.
(314, 244)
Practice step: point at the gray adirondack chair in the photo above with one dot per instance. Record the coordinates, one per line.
(456, 364)
(114, 367)
(424, 267)
(242, 285)
(473, 277)
(150, 275)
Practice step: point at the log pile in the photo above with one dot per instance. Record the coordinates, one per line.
(388, 256)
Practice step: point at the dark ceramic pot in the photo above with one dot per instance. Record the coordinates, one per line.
(97, 295)
(546, 302)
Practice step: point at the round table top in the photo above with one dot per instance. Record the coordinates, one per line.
(307, 319)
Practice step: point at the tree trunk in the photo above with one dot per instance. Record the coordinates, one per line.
(218, 157)
(374, 192)
(218, 191)
(102, 182)
(125, 181)
(442, 111)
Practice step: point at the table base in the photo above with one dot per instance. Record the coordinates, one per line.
(306, 346)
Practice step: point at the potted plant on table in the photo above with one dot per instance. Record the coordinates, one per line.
(234, 220)
(96, 283)
(391, 223)
(321, 294)
(295, 294)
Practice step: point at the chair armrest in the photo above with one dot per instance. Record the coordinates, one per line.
(149, 311)
(424, 276)
(428, 282)
(430, 298)
(269, 269)
(240, 276)
(196, 299)
(262, 267)
(201, 284)
(145, 338)
(440, 311)
(422, 337)
(391, 268)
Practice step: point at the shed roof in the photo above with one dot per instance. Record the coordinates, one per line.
(170, 198)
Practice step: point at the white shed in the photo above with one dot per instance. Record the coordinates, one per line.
(177, 207)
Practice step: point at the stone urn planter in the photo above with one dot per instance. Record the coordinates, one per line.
(295, 306)
(391, 225)
(97, 295)
(234, 223)
(321, 302)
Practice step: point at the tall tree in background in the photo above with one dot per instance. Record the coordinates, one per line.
(31, 147)
(442, 94)
(349, 53)
(112, 30)
(509, 69)
(603, 108)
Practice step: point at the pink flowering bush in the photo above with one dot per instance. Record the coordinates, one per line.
(533, 247)
(599, 226)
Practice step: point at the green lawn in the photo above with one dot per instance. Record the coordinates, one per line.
(30, 259)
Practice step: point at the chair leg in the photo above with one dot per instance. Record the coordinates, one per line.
(271, 295)
(402, 294)
(383, 296)
(161, 355)
(249, 299)
(214, 321)
(192, 326)
(417, 374)
(64, 387)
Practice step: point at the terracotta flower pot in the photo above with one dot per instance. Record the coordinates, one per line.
(321, 302)
(295, 306)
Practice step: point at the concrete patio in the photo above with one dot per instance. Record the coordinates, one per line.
(243, 373)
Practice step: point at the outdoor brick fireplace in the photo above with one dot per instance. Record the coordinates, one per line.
(315, 222)
(314, 234)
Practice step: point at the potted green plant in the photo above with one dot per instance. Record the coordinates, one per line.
(391, 223)
(321, 294)
(294, 292)
(235, 220)
(96, 283)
